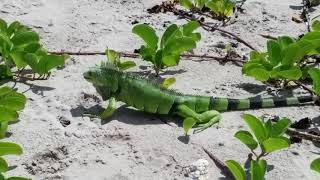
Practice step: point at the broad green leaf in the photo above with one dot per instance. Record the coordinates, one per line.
(147, 54)
(18, 178)
(188, 123)
(49, 62)
(268, 127)
(32, 60)
(13, 27)
(274, 52)
(179, 45)
(126, 65)
(256, 126)
(188, 28)
(263, 166)
(7, 148)
(5, 72)
(168, 82)
(236, 170)
(2, 177)
(274, 144)
(279, 128)
(3, 25)
(148, 34)
(285, 41)
(3, 165)
(256, 171)
(294, 73)
(186, 3)
(257, 71)
(315, 165)
(316, 25)
(171, 32)
(32, 47)
(24, 38)
(8, 115)
(3, 129)
(18, 59)
(291, 54)
(315, 75)
(246, 138)
(171, 60)
(11, 100)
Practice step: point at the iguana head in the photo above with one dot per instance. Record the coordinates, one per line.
(104, 79)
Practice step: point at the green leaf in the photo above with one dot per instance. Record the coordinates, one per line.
(3, 25)
(285, 41)
(25, 37)
(11, 100)
(274, 144)
(49, 62)
(171, 32)
(274, 52)
(236, 170)
(293, 73)
(280, 127)
(315, 76)
(179, 45)
(5, 72)
(168, 82)
(18, 178)
(18, 59)
(246, 138)
(316, 25)
(126, 65)
(188, 123)
(8, 115)
(315, 165)
(291, 54)
(256, 70)
(3, 129)
(256, 171)
(3, 165)
(7, 148)
(188, 28)
(148, 34)
(171, 60)
(256, 126)
(186, 3)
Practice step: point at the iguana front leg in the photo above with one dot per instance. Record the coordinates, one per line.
(192, 118)
(112, 107)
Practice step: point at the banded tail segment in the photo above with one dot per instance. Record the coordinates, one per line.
(226, 104)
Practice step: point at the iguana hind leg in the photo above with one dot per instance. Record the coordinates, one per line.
(192, 118)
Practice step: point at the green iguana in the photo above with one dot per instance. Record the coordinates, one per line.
(147, 96)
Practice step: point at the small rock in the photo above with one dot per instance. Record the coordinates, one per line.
(198, 170)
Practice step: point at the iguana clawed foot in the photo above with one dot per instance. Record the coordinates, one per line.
(108, 112)
(200, 120)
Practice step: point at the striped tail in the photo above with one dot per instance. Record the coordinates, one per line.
(226, 104)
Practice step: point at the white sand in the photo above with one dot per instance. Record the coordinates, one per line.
(134, 145)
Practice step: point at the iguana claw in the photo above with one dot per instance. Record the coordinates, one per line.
(112, 106)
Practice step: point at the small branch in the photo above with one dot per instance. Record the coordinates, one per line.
(268, 36)
(221, 165)
(303, 135)
(311, 91)
(133, 55)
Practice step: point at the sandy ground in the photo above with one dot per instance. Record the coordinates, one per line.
(134, 145)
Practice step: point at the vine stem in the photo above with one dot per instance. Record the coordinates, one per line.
(134, 55)
(311, 91)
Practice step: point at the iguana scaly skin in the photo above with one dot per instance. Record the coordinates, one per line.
(147, 96)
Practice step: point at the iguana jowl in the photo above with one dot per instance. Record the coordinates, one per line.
(199, 111)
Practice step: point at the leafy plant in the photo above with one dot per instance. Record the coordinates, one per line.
(7, 148)
(315, 76)
(166, 52)
(315, 165)
(222, 8)
(284, 58)
(189, 4)
(20, 47)
(114, 59)
(316, 25)
(10, 103)
(268, 137)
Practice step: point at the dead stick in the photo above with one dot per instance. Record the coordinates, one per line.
(303, 135)
(133, 55)
(221, 165)
(311, 91)
(268, 36)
